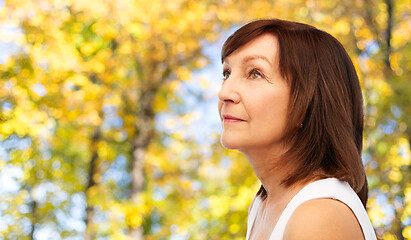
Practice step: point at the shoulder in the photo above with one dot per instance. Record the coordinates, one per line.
(323, 219)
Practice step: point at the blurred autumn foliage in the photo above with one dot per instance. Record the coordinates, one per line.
(96, 122)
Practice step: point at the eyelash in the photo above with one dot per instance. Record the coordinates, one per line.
(224, 74)
(253, 71)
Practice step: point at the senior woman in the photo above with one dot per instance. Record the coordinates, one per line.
(291, 102)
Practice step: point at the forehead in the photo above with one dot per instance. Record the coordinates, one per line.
(265, 46)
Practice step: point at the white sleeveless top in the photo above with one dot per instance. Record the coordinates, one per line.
(325, 188)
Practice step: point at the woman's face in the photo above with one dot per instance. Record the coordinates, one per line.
(254, 97)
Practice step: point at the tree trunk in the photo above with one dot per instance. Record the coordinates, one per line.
(388, 34)
(397, 227)
(89, 234)
(145, 131)
(34, 218)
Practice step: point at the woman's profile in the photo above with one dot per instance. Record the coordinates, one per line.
(291, 102)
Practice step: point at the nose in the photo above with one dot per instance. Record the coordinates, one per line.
(229, 92)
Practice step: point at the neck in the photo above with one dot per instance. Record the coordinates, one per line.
(263, 164)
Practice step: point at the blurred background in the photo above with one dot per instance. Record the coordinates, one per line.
(108, 115)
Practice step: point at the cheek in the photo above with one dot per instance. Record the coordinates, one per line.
(271, 109)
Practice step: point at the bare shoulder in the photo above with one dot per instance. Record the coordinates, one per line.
(323, 219)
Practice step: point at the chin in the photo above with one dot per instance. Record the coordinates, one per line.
(229, 143)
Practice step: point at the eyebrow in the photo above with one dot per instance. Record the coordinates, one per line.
(254, 57)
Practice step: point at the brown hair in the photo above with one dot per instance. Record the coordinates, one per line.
(326, 105)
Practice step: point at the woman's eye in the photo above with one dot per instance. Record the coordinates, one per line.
(255, 74)
(226, 74)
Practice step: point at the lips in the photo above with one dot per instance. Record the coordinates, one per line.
(231, 119)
